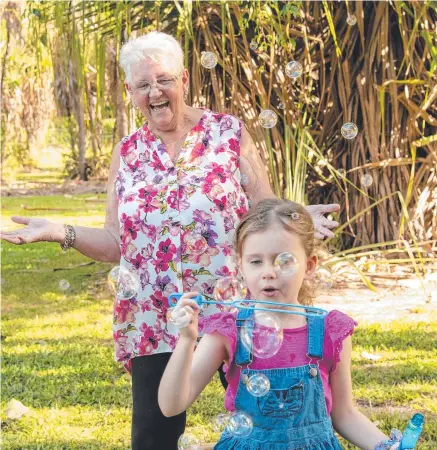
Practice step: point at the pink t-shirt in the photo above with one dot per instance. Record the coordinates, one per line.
(338, 326)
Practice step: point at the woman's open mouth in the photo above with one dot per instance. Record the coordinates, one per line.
(159, 106)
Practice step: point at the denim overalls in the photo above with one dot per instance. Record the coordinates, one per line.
(293, 414)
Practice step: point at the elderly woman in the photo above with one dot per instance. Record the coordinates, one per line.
(177, 188)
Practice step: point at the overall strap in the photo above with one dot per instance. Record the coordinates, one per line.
(243, 355)
(316, 334)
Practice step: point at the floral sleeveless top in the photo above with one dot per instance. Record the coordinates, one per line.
(177, 226)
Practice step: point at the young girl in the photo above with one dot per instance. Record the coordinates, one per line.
(310, 381)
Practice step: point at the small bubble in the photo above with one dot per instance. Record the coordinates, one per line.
(208, 60)
(239, 424)
(367, 180)
(253, 45)
(349, 130)
(286, 263)
(268, 118)
(293, 69)
(64, 285)
(258, 385)
(351, 20)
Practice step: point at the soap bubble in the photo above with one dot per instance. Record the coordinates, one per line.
(178, 316)
(188, 442)
(349, 130)
(258, 385)
(286, 263)
(366, 180)
(208, 60)
(123, 282)
(253, 45)
(64, 285)
(341, 173)
(196, 243)
(221, 422)
(293, 69)
(268, 118)
(281, 105)
(229, 288)
(265, 337)
(351, 20)
(244, 179)
(323, 279)
(239, 424)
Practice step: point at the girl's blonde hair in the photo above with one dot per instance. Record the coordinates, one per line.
(293, 217)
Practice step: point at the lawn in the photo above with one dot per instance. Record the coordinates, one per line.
(58, 354)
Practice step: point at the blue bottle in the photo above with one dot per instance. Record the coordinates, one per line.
(412, 432)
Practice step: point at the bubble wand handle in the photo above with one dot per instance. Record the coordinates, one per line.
(242, 304)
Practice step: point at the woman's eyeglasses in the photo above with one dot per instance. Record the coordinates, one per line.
(163, 84)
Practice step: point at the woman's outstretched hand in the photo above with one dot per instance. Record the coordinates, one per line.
(35, 230)
(322, 225)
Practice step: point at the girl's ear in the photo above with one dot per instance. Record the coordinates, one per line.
(311, 267)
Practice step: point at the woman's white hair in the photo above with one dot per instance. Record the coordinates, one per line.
(159, 47)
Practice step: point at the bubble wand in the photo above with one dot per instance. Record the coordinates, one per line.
(241, 304)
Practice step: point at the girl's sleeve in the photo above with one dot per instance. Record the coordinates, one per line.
(225, 324)
(338, 326)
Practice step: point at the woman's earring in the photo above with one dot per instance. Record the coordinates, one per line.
(185, 94)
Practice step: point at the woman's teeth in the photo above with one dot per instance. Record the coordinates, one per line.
(159, 106)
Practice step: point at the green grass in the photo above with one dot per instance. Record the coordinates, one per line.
(58, 352)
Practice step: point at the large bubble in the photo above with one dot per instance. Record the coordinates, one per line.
(265, 337)
(124, 283)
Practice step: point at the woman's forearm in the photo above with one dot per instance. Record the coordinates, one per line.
(358, 429)
(99, 244)
(175, 387)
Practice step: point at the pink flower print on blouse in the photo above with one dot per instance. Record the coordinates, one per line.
(147, 342)
(164, 285)
(123, 348)
(225, 125)
(197, 153)
(124, 311)
(164, 255)
(160, 206)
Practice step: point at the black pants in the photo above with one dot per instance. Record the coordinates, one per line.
(151, 430)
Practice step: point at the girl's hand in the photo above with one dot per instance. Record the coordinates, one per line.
(186, 312)
(36, 230)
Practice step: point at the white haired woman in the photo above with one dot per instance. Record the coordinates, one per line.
(177, 188)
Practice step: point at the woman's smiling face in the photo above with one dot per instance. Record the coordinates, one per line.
(163, 108)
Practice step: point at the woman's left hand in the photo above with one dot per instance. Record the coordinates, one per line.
(322, 225)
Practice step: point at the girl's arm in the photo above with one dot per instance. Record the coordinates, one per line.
(347, 420)
(188, 371)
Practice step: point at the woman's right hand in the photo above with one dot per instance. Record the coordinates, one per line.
(35, 230)
(187, 309)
